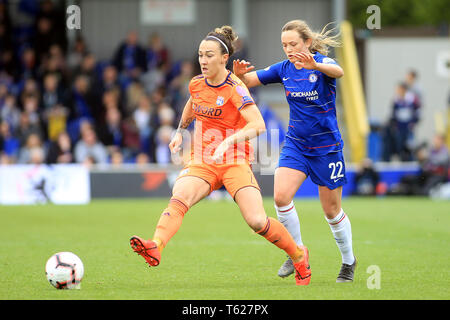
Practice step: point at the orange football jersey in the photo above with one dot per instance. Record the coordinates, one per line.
(217, 112)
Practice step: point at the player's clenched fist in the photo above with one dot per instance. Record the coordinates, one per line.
(175, 143)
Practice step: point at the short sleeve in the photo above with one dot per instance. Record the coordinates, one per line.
(194, 83)
(271, 74)
(241, 97)
(190, 87)
(327, 60)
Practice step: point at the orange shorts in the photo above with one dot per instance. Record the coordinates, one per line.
(233, 176)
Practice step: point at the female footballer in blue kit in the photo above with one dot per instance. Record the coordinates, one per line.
(313, 145)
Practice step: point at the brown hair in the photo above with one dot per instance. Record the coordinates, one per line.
(320, 41)
(227, 35)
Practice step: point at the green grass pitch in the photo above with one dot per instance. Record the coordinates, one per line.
(216, 256)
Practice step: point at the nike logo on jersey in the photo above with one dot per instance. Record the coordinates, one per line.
(284, 79)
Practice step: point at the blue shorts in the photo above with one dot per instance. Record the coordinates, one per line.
(327, 170)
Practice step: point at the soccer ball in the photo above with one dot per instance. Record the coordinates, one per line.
(64, 270)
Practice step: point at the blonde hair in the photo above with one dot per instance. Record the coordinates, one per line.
(320, 41)
(227, 35)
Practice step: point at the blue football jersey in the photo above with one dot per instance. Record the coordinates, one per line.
(311, 95)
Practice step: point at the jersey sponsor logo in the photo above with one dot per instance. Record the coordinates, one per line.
(312, 77)
(207, 111)
(284, 79)
(241, 90)
(220, 100)
(301, 94)
(244, 94)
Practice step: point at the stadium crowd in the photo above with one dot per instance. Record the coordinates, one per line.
(60, 104)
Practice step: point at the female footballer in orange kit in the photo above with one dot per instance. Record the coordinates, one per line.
(226, 119)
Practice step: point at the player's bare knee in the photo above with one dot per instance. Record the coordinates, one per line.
(184, 197)
(331, 210)
(256, 223)
(281, 199)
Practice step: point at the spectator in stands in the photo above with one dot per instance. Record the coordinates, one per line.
(76, 54)
(129, 59)
(26, 128)
(434, 169)
(163, 137)
(109, 80)
(55, 121)
(437, 164)
(179, 87)
(87, 68)
(30, 88)
(142, 159)
(60, 151)
(55, 12)
(164, 133)
(142, 117)
(154, 78)
(89, 148)
(8, 61)
(43, 38)
(131, 138)
(31, 109)
(37, 156)
(52, 93)
(399, 132)
(157, 53)
(33, 143)
(28, 64)
(53, 112)
(9, 111)
(110, 133)
(6, 27)
(158, 96)
(81, 102)
(132, 96)
(55, 61)
(366, 179)
(414, 90)
(116, 158)
(9, 144)
(4, 90)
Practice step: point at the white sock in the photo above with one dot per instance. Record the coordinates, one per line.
(342, 231)
(288, 217)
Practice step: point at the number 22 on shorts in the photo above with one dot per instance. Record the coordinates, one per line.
(338, 166)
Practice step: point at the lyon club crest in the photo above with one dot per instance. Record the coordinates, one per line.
(220, 101)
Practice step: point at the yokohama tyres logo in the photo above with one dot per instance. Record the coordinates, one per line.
(301, 94)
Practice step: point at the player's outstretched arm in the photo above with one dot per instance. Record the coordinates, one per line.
(242, 70)
(254, 127)
(306, 60)
(186, 118)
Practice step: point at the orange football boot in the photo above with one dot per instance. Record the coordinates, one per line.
(303, 269)
(147, 249)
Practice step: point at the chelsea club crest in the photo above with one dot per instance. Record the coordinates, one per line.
(312, 77)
